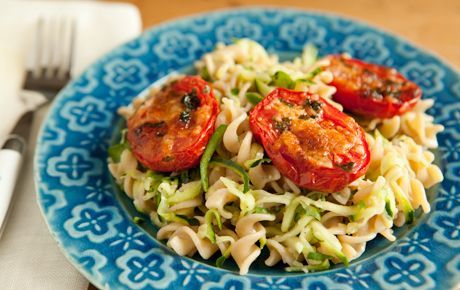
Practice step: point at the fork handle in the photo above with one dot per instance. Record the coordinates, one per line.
(10, 165)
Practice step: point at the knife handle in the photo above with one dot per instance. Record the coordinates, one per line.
(10, 165)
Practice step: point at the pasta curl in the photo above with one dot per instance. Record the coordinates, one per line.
(245, 204)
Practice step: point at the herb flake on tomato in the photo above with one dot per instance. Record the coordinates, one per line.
(310, 142)
(170, 130)
(371, 90)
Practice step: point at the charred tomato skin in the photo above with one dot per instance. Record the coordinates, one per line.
(310, 142)
(169, 132)
(371, 90)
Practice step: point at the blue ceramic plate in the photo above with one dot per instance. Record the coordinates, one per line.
(91, 219)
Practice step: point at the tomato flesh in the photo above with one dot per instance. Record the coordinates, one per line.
(310, 142)
(170, 130)
(372, 90)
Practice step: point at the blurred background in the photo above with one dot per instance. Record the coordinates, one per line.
(434, 25)
(96, 27)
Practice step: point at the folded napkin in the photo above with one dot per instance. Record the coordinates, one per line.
(99, 27)
(12, 71)
(29, 257)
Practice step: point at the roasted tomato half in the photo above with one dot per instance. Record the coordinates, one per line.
(310, 142)
(372, 90)
(170, 130)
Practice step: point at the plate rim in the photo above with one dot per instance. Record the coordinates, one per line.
(221, 12)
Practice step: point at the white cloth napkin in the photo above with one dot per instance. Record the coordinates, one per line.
(99, 28)
(29, 257)
(12, 71)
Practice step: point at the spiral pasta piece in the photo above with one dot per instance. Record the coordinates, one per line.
(231, 138)
(185, 241)
(415, 123)
(249, 230)
(278, 252)
(305, 230)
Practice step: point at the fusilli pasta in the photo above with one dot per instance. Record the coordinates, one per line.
(304, 230)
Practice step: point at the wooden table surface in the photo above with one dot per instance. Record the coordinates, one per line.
(434, 25)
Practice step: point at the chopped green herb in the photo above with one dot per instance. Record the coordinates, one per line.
(253, 98)
(282, 125)
(191, 100)
(185, 117)
(194, 222)
(309, 82)
(314, 73)
(306, 117)
(260, 210)
(157, 125)
(262, 242)
(310, 268)
(410, 217)
(259, 161)
(220, 261)
(167, 158)
(190, 221)
(138, 220)
(283, 80)
(206, 89)
(347, 166)
(235, 91)
(315, 105)
(184, 177)
(323, 266)
(316, 195)
(388, 209)
(116, 150)
(287, 103)
(176, 218)
(297, 269)
(205, 74)
(158, 199)
(317, 256)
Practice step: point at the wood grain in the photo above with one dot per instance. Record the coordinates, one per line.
(434, 25)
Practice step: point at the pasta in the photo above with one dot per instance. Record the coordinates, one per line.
(305, 230)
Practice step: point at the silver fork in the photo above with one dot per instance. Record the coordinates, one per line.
(53, 54)
(54, 38)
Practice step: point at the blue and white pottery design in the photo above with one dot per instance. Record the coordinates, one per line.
(92, 220)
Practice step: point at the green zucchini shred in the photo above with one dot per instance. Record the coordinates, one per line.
(213, 143)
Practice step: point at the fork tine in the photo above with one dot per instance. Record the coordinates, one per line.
(53, 39)
(68, 38)
(37, 52)
(46, 43)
